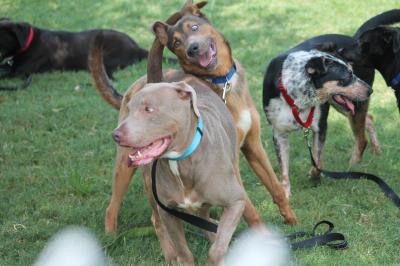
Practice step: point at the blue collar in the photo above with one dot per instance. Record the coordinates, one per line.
(195, 142)
(224, 79)
(396, 80)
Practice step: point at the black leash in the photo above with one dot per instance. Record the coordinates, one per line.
(328, 238)
(189, 218)
(387, 190)
(332, 240)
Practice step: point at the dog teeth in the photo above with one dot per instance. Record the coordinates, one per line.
(139, 153)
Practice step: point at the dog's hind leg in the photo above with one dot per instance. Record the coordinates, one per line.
(259, 161)
(369, 123)
(281, 142)
(122, 177)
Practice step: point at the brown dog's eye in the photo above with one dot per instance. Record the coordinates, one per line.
(195, 27)
(177, 43)
(148, 109)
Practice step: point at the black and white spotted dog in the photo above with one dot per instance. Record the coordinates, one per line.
(306, 82)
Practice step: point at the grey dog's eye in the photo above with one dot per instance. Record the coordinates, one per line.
(195, 27)
(149, 109)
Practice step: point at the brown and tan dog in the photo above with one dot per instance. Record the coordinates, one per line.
(162, 120)
(210, 59)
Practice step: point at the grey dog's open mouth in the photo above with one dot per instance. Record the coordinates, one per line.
(345, 103)
(146, 154)
(208, 58)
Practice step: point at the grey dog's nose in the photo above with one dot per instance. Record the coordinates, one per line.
(193, 49)
(116, 135)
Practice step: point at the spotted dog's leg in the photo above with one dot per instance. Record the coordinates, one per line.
(319, 137)
(281, 142)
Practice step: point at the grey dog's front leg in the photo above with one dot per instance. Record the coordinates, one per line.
(176, 233)
(281, 142)
(229, 220)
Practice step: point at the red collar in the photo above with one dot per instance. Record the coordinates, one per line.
(295, 109)
(27, 43)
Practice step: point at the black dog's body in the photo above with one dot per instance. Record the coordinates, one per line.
(360, 121)
(62, 50)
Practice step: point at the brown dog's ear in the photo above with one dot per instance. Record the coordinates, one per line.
(186, 92)
(202, 4)
(316, 66)
(160, 29)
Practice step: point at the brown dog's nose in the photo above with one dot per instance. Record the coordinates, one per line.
(116, 135)
(193, 49)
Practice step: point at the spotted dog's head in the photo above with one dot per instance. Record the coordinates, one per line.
(200, 48)
(374, 46)
(315, 77)
(13, 37)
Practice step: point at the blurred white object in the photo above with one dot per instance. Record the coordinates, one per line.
(253, 248)
(73, 246)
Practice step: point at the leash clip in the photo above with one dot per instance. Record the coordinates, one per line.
(227, 88)
(306, 134)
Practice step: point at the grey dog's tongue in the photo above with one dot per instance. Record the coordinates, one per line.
(349, 104)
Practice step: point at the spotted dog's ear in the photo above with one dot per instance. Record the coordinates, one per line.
(186, 92)
(316, 66)
(160, 29)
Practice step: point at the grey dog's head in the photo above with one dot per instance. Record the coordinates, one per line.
(314, 77)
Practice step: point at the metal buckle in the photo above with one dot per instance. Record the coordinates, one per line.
(227, 88)
(306, 133)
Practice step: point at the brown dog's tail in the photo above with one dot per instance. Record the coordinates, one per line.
(99, 74)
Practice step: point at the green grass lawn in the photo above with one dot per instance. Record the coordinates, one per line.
(57, 155)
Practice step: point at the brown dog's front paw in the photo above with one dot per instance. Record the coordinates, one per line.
(110, 221)
(290, 217)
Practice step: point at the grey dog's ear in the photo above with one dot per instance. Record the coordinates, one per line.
(316, 66)
(186, 92)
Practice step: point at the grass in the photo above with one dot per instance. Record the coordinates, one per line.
(57, 156)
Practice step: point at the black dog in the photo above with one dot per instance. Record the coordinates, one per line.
(32, 50)
(379, 48)
(357, 113)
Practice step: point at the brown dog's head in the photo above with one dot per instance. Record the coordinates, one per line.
(374, 46)
(13, 37)
(159, 121)
(200, 48)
